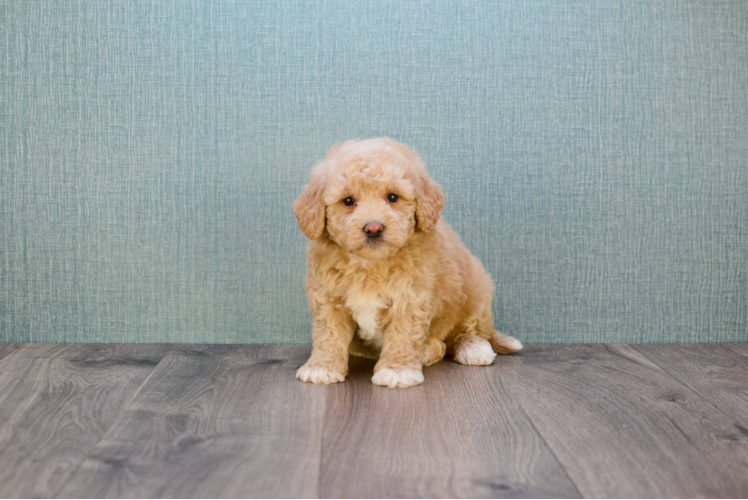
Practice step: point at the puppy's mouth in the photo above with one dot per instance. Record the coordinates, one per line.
(374, 239)
(372, 244)
(375, 244)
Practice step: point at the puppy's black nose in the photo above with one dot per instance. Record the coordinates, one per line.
(373, 229)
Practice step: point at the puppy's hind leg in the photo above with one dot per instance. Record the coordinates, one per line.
(433, 351)
(470, 349)
(479, 343)
(474, 350)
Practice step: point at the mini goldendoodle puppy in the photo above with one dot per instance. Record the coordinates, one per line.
(387, 277)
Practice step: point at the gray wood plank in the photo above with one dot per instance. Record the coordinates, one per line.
(622, 427)
(214, 421)
(7, 348)
(16, 382)
(460, 434)
(38, 350)
(716, 373)
(738, 347)
(56, 402)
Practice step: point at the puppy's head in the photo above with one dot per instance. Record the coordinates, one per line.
(370, 196)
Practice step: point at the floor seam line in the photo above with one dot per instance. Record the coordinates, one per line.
(321, 442)
(686, 384)
(91, 450)
(535, 428)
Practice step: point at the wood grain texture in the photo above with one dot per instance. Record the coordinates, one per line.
(56, 402)
(622, 427)
(231, 421)
(715, 372)
(460, 434)
(737, 347)
(214, 421)
(7, 348)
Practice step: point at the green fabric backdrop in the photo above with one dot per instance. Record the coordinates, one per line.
(594, 155)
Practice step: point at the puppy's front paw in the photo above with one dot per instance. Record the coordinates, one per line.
(474, 351)
(319, 375)
(405, 377)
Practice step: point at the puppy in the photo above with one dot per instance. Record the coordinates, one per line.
(387, 277)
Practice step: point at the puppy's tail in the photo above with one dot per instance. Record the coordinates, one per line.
(504, 344)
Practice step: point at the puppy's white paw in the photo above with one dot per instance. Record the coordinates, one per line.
(319, 375)
(406, 377)
(475, 351)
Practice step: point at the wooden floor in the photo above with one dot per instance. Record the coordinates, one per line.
(148, 420)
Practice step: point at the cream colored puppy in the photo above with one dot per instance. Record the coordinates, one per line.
(387, 277)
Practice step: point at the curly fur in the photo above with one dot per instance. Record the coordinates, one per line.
(406, 298)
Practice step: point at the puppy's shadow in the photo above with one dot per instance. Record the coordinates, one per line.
(362, 369)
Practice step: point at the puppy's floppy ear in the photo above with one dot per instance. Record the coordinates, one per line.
(429, 201)
(310, 209)
(429, 195)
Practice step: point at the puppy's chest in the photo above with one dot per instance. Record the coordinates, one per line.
(367, 309)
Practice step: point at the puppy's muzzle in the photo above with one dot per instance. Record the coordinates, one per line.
(373, 230)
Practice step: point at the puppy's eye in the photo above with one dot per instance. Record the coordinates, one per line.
(349, 202)
(392, 197)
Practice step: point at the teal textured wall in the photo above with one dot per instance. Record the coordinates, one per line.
(594, 155)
